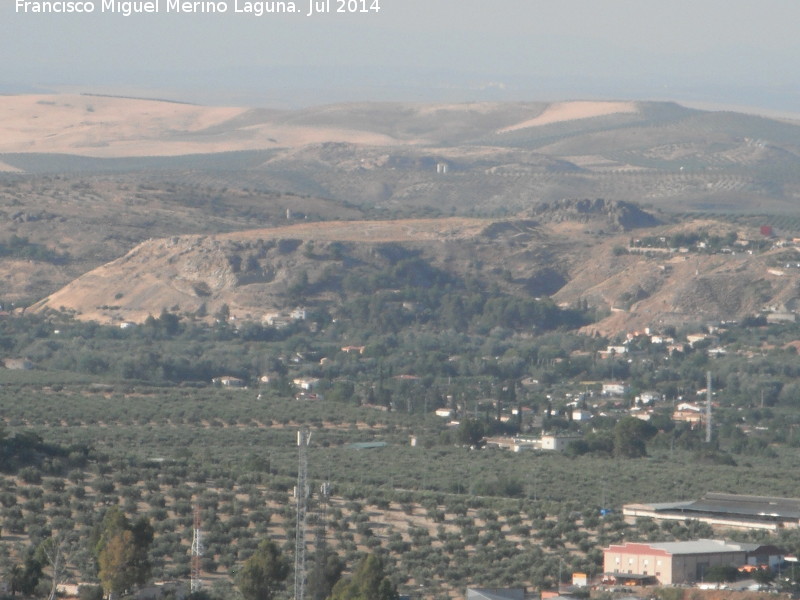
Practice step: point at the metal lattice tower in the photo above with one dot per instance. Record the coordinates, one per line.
(197, 551)
(301, 493)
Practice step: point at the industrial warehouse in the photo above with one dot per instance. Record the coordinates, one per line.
(668, 563)
(724, 511)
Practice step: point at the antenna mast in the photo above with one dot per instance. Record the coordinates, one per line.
(197, 551)
(301, 493)
(708, 407)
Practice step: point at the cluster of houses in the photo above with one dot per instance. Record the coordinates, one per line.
(704, 243)
(598, 399)
(709, 339)
(610, 400)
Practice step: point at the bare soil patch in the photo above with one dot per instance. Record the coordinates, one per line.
(569, 111)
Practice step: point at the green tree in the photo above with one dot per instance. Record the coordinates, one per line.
(223, 314)
(263, 574)
(143, 534)
(169, 323)
(764, 576)
(25, 577)
(90, 592)
(720, 573)
(298, 289)
(327, 571)
(630, 437)
(115, 563)
(368, 582)
(113, 522)
(121, 550)
(471, 432)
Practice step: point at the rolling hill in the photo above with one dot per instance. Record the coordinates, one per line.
(469, 159)
(575, 254)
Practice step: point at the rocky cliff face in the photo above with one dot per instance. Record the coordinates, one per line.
(619, 215)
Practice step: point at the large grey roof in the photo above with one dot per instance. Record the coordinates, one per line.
(707, 546)
(699, 547)
(756, 507)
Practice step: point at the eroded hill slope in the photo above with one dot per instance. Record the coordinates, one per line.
(577, 261)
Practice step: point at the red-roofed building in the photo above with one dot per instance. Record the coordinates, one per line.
(677, 562)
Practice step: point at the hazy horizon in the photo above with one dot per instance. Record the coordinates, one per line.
(718, 53)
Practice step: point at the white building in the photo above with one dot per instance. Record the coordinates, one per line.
(306, 383)
(581, 415)
(648, 397)
(615, 388)
(558, 442)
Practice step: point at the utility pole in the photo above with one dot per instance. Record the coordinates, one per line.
(303, 437)
(708, 407)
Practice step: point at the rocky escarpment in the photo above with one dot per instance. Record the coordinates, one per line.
(619, 215)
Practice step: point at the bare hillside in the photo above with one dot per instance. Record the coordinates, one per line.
(77, 223)
(252, 272)
(102, 126)
(577, 260)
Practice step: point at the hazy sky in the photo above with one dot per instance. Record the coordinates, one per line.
(734, 51)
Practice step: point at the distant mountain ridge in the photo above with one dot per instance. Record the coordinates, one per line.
(484, 158)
